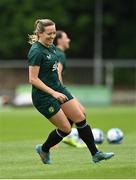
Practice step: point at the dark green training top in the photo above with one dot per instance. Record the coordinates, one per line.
(47, 59)
(62, 58)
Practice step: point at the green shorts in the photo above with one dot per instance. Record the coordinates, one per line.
(47, 105)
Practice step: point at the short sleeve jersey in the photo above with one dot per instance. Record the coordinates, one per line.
(62, 58)
(47, 59)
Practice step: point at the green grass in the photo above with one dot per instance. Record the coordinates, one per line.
(22, 129)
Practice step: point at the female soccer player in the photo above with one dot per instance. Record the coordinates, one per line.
(51, 98)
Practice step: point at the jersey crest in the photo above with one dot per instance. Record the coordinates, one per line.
(49, 56)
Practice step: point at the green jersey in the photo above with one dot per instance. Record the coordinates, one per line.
(47, 59)
(62, 58)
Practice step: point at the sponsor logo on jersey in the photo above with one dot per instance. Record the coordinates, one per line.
(55, 66)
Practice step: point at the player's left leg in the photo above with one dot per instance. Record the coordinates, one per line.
(71, 139)
(73, 112)
(82, 108)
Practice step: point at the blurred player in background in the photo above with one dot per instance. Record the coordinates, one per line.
(62, 42)
(51, 98)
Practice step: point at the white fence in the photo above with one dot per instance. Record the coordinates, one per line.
(79, 72)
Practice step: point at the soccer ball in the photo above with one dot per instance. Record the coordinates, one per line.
(98, 135)
(115, 135)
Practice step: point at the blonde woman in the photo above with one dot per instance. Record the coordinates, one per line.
(51, 98)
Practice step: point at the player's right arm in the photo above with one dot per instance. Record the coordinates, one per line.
(35, 81)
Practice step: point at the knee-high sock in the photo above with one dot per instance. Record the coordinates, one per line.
(86, 135)
(54, 138)
(71, 122)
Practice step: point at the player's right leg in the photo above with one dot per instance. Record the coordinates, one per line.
(63, 129)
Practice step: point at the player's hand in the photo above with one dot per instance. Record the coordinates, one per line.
(59, 96)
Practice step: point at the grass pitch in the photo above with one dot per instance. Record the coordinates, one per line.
(22, 129)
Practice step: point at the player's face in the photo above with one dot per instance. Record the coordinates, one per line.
(65, 41)
(47, 37)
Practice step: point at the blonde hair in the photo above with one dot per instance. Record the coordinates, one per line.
(39, 26)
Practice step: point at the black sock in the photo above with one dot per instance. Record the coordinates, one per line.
(71, 122)
(54, 138)
(86, 135)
